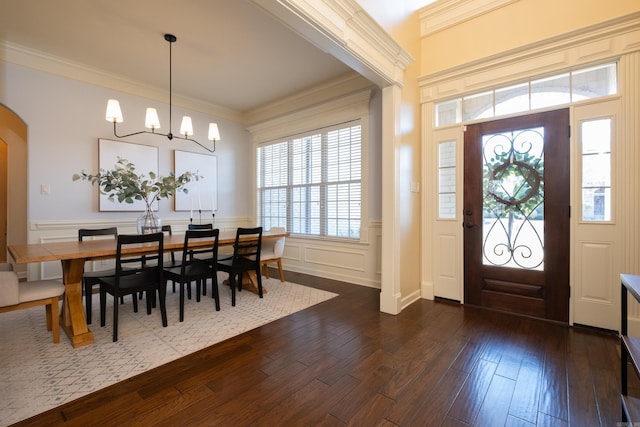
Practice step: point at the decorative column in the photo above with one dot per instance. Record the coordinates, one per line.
(390, 294)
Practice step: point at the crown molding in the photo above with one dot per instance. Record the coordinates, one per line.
(345, 108)
(447, 13)
(41, 61)
(605, 41)
(332, 89)
(345, 30)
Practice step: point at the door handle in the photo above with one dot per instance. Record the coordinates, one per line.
(468, 224)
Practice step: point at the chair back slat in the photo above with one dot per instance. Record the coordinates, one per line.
(247, 245)
(207, 253)
(200, 226)
(127, 242)
(110, 231)
(92, 232)
(166, 230)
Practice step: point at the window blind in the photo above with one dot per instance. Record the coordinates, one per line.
(311, 183)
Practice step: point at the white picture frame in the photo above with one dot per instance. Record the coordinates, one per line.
(145, 159)
(201, 201)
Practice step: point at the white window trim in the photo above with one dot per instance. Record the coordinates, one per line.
(348, 108)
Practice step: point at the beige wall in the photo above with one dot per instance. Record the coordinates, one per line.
(520, 23)
(400, 20)
(500, 47)
(410, 154)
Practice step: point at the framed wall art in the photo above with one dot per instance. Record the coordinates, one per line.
(202, 198)
(145, 159)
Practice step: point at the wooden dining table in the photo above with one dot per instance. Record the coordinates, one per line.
(74, 255)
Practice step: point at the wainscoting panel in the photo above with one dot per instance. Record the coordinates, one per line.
(353, 262)
(597, 259)
(335, 258)
(447, 280)
(595, 291)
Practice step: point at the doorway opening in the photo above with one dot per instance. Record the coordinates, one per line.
(13, 182)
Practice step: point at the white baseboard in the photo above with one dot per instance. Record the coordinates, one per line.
(426, 291)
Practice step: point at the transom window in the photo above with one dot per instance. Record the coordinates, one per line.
(565, 88)
(311, 183)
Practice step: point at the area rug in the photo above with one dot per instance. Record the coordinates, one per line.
(38, 375)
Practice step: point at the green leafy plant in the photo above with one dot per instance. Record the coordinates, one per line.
(124, 185)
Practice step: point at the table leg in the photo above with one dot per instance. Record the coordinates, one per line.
(74, 322)
(249, 282)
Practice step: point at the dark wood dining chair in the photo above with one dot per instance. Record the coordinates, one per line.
(200, 227)
(143, 278)
(169, 261)
(191, 226)
(198, 264)
(170, 258)
(90, 278)
(172, 261)
(246, 258)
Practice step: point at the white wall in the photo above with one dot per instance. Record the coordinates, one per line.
(66, 118)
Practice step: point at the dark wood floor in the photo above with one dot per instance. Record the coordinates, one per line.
(343, 362)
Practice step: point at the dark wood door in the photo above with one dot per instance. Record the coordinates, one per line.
(516, 215)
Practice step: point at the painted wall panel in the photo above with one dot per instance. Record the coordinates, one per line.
(595, 270)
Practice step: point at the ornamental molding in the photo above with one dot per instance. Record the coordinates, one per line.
(345, 30)
(447, 13)
(51, 64)
(603, 42)
(346, 108)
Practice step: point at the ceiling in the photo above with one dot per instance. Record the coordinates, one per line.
(229, 53)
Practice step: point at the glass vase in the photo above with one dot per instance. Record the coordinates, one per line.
(149, 223)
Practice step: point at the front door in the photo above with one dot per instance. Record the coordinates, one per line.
(516, 215)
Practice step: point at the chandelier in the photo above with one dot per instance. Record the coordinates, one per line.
(114, 114)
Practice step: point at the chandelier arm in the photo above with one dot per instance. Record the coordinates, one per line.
(171, 39)
(193, 140)
(136, 133)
